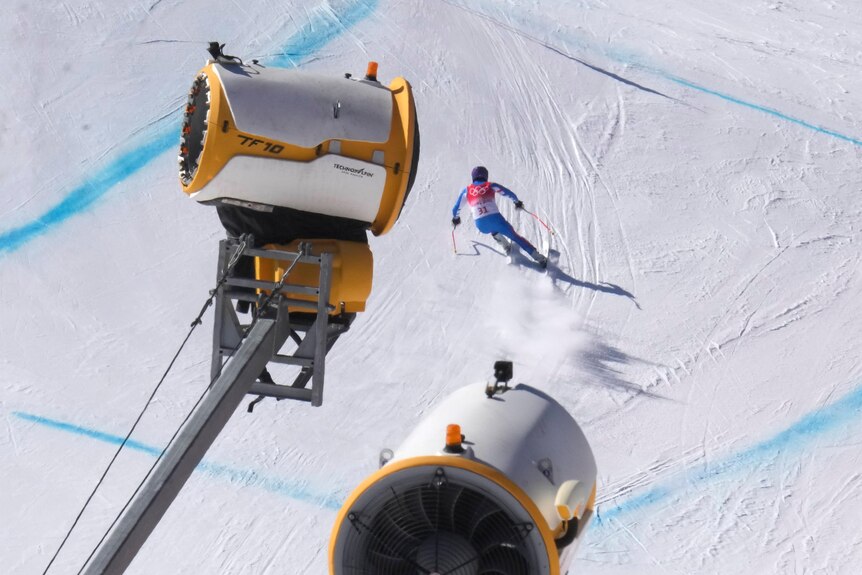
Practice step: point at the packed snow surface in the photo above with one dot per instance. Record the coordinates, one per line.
(698, 162)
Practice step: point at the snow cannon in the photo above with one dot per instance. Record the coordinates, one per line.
(311, 145)
(495, 480)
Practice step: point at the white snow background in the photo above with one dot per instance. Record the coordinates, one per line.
(699, 162)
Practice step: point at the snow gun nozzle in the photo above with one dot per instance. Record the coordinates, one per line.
(371, 72)
(215, 50)
(503, 374)
(503, 371)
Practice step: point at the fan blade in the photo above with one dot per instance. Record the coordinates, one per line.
(485, 511)
(396, 538)
(414, 501)
(381, 564)
(465, 510)
(504, 560)
(446, 552)
(438, 506)
(450, 497)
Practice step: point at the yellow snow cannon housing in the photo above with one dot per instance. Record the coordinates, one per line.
(264, 137)
(352, 267)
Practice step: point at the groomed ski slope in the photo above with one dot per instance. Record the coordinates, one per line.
(699, 164)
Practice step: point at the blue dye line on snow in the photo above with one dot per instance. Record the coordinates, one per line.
(631, 59)
(86, 194)
(792, 440)
(245, 477)
(323, 27)
(760, 108)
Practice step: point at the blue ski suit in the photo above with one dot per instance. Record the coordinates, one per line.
(480, 196)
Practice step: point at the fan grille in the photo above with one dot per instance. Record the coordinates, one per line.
(435, 522)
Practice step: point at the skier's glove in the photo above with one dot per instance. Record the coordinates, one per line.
(519, 205)
(456, 220)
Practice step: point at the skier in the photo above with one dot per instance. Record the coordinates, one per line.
(480, 195)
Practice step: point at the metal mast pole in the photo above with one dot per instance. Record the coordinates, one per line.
(184, 454)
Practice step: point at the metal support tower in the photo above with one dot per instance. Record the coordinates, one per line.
(320, 329)
(238, 360)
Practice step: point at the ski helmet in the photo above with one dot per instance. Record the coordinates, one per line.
(480, 173)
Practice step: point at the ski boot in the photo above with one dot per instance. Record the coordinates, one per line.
(540, 259)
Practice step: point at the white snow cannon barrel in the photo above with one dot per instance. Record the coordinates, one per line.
(269, 138)
(511, 496)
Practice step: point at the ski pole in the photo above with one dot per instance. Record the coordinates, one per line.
(541, 222)
(454, 247)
